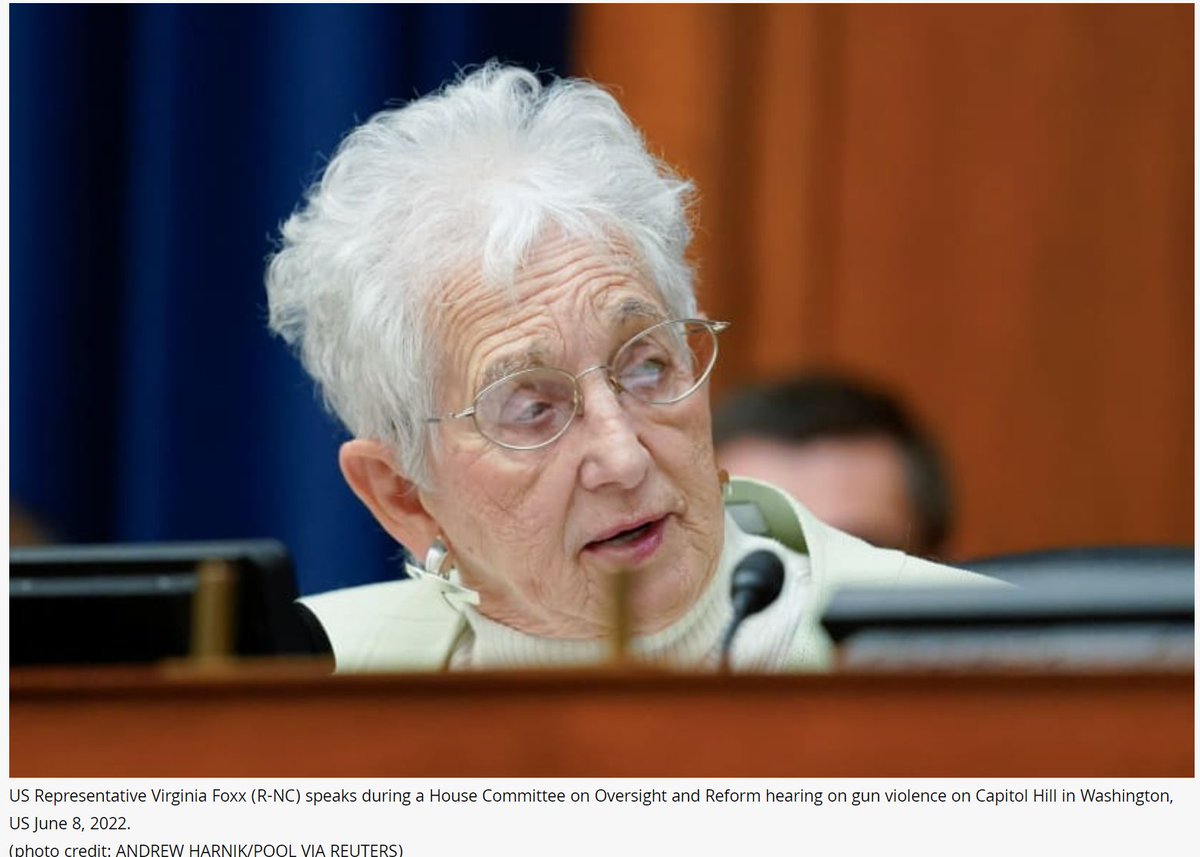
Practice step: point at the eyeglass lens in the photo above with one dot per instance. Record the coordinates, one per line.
(661, 365)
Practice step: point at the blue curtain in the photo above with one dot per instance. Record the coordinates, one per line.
(154, 151)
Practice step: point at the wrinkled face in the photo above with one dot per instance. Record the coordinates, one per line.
(539, 533)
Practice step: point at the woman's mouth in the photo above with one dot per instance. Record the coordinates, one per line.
(632, 545)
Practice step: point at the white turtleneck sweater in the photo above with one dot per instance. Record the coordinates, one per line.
(433, 623)
(692, 642)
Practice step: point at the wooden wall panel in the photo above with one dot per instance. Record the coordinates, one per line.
(988, 209)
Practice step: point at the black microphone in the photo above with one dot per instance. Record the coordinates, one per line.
(757, 581)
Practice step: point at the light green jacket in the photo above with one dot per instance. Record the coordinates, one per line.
(414, 625)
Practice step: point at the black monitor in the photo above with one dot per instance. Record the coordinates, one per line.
(134, 603)
(1125, 608)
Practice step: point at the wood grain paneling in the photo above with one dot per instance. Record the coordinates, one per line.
(272, 723)
(986, 208)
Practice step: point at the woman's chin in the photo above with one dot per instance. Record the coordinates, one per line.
(663, 596)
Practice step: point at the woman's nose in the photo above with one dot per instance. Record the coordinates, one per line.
(613, 453)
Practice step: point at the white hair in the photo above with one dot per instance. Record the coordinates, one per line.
(461, 183)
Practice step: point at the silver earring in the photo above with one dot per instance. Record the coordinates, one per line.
(436, 559)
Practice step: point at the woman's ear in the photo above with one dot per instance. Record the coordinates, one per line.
(369, 469)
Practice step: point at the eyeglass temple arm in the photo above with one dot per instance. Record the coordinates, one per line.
(465, 412)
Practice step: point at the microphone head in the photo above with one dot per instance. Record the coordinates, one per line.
(757, 581)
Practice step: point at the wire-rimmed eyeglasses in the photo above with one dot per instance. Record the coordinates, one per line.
(532, 408)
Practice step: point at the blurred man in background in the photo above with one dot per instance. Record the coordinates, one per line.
(848, 452)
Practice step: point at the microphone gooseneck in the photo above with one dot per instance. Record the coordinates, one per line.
(757, 581)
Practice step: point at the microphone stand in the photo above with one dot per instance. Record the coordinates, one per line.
(755, 584)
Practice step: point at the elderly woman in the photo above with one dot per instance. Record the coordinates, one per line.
(489, 287)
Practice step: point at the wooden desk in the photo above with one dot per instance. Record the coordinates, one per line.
(287, 721)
